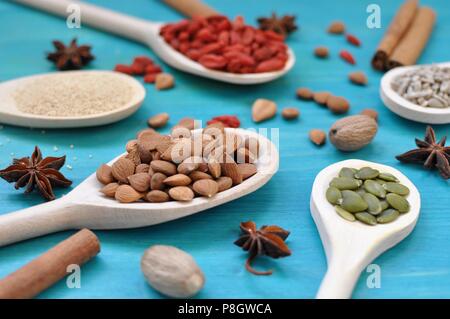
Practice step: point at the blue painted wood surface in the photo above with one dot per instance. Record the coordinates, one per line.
(418, 267)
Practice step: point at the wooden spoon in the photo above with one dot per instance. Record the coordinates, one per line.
(351, 246)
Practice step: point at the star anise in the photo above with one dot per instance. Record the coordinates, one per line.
(72, 57)
(35, 171)
(283, 25)
(430, 153)
(268, 240)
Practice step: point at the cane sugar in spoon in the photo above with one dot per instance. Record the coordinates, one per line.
(148, 33)
(407, 109)
(351, 246)
(20, 107)
(86, 207)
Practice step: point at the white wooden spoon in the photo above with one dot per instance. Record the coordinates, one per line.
(407, 109)
(148, 33)
(10, 114)
(86, 207)
(351, 246)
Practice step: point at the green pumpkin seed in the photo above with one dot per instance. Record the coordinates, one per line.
(343, 183)
(361, 191)
(388, 177)
(333, 195)
(384, 205)
(396, 188)
(379, 181)
(388, 216)
(373, 202)
(366, 218)
(367, 173)
(398, 202)
(374, 188)
(352, 202)
(344, 214)
(347, 172)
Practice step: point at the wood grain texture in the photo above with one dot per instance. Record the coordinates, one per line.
(418, 267)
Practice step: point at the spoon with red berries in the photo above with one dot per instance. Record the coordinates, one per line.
(273, 60)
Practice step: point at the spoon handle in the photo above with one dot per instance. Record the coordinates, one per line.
(123, 25)
(35, 221)
(191, 8)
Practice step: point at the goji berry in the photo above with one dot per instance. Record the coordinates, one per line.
(226, 120)
(122, 68)
(353, 40)
(270, 65)
(347, 56)
(138, 68)
(153, 69)
(150, 78)
(213, 61)
(142, 60)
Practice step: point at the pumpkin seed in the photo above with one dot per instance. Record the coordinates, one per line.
(344, 214)
(396, 188)
(388, 216)
(347, 172)
(384, 205)
(345, 183)
(379, 181)
(352, 202)
(374, 205)
(388, 177)
(398, 202)
(333, 195)
(374, 188)
(366, 218)
(367, 173)
(361, 191)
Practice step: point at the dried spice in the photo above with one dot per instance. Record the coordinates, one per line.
(141, 65)
(281, 25)
(268, 240)
(347, 56)
(72, 57)
(226, 120)
(37, 172)
(430, 153)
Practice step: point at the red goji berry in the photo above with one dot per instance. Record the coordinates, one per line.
(213, 61)
(347, 56)
(142, 60)
(352, 40)
(150, 78)
(122, 68)
(138, 68)
(153, 69)
(226, 120)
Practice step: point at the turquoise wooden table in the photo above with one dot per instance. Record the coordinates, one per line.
(417, 268)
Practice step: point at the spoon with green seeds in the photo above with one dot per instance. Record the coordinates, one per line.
(361, 222)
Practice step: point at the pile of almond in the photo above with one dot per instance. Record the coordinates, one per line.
(159, 168)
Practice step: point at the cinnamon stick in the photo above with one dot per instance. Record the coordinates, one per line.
(50, 267)
(192, 8)
(413, 42)
(398, 27)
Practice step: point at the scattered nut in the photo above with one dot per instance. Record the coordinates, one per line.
(338, 104)
(321, 52)
(290, 113)
(358, 78)
(159, 120)
(188, 123)
(353, 132)
(164, 81)
(263, 110)
(337, 27)
(321, 97)
(305, 94)
(318, 137)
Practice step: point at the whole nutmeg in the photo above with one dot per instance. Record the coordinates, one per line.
(104, 174)
(172, 272)
(123, 168)
(353, 132)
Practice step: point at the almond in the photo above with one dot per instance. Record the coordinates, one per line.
(104, 174)
(178, 151)
(140, 181)
(224, 183)
(290, 113)
(358, 78)
(336, 27)
(157, 196)
(305, 94)
(231, 169)
(167, 168)
(214, 130)
(188, 123)
(177, 180)
(142, 168)
(197, 175)
(181, 193)
(263, 110)
(157, 181)
(110, 189)
(145, 132)
(247, 170)
(214, 168)
(206, 187)
(131, 145)
(180, 131)
(318, 137)
(232, 142)
(122, 168)
(134, 156)
(321, 97)
(164, 81)
(127, 194)
(243, 155)
(158, 120)
(189, 165)
(252, 144)
(338, 104)
(321, 52)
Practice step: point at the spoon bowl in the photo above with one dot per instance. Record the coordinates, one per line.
(10, 114)
(407, 109)
(147, 32)
(86, 207)
(351, 246)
